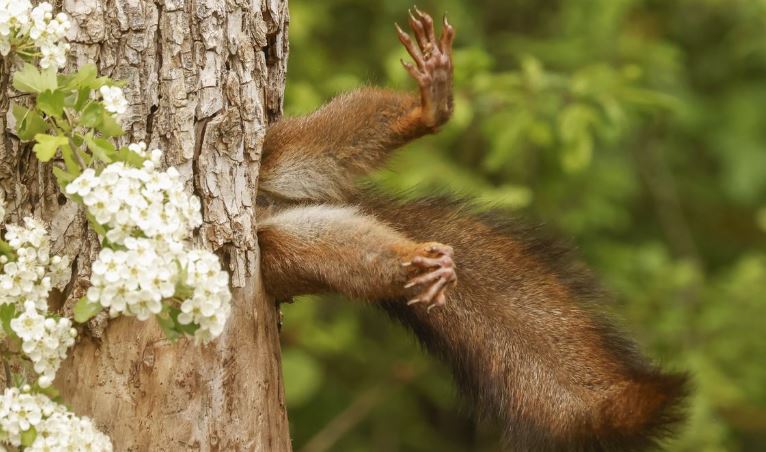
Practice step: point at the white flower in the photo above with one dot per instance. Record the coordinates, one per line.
(149, 219)
(210, 303)
(138, 148)
(145, 201)
(34, 272)
(34, 26)
(53, 55)
(29, 326)
(45, 342)
(57, 429)
(26, 282)
(60, 271)
(83, 184)
(14, 15)
(114, 100)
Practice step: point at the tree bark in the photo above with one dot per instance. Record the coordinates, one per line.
(204, 78)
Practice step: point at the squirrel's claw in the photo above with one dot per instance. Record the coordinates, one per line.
(432, 68)
(435, 260)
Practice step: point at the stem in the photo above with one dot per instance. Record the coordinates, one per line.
(5, 77)
(8, 376)
(64, 127)
(11, 354)
(52, 124)
(28, 54)
(76, 153)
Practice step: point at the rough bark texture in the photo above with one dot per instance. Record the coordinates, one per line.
(204, 78)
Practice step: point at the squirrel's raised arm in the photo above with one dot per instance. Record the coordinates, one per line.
(317, 157)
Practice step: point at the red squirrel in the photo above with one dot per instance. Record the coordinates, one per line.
(522, 330)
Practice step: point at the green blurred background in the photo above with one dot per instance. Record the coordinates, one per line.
(636, 129)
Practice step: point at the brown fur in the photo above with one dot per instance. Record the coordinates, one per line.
(527, 340)
(332, 147)
(322, 248)
(523, 329)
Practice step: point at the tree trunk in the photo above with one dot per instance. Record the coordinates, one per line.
(204, 78)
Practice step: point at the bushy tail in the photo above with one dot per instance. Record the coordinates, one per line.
(527, 342)
(643, 412)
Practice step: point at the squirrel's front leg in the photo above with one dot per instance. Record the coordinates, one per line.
(316, 249)
(318, 157)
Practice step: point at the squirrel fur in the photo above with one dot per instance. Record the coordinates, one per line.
(523, 330)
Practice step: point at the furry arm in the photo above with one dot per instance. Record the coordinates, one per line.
(318, 157)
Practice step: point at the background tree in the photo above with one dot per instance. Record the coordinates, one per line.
(635, 128)
(203, 80)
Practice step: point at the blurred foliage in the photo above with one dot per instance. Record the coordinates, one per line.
(634, 128)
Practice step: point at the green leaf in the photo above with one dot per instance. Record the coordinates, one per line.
(83, 96)
(186, 329)
(98, 227)
(7, 312)
(168, 326)
(92, 115)
(6, 250)
(182, 290)
(85, 77)
(28, 123)
(30, 80)
(131, 158)
(101, 148)
(85, 310)
(73, 167)
(109, 126)
(51, 102)
(19, 113)
(575, 123)
(52, 393)
(47, 145)
(28, 437)
(575, 120)
(63, 177)
(102, 81)
(578, 155)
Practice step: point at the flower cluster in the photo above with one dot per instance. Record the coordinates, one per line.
(139, 202)
(23, 28)
(53, 427)
(29, 278)
(45, 341)
(146, 261)
(25, 283)
(134, 281)
(210, 303)
(114, 99)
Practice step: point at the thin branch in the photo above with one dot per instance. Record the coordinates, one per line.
(326, 438)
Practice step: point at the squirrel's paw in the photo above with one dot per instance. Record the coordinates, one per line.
(433, 65)
(437, 272)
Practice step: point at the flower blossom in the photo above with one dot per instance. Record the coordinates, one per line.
(147, 262)
(55, 428)
(21, 24)
(114, 99)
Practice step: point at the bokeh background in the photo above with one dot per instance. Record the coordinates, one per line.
(636, 129)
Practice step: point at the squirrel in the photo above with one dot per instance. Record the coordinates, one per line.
(522, 332)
